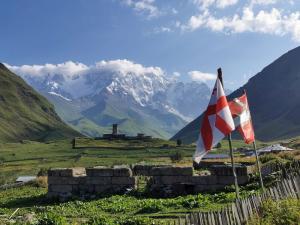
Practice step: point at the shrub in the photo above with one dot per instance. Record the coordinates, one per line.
(284, 212)
(176, 157)
(190, 203)
(267, 157)
(288, 156)
(179, 142)
(100, 220)
(42, 172)
(135, 221)
(151, 206)
(51, 219)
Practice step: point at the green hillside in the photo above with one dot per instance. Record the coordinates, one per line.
(25, 114)
(96, 119)
(274, 98)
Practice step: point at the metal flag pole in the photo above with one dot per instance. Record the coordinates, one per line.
(256, 154)
(230, 147)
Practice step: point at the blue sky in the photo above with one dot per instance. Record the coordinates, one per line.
(188, 38)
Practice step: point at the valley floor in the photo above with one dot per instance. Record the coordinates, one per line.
(29, 158)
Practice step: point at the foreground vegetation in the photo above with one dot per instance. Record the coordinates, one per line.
(32, 200)
(284, 212)
(29, 158)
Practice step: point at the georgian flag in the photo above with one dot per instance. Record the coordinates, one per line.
(242, 118)
(216, 124)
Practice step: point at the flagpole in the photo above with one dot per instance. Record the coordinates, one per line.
(258, 166)
(256, 156)
(230, 147)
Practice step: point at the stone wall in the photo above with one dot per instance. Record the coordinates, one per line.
(144, 170)
(64, 182)
(173, 181)
(165, 181)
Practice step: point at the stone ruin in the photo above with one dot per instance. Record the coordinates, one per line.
(89, 181)
(164, 181)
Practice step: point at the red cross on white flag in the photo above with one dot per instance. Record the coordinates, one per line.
(241, 114)
(217, 122)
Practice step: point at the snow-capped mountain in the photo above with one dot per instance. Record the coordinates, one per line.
(140, 99)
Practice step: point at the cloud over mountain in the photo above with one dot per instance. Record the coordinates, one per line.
(91, 98)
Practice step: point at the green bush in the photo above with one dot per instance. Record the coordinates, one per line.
(176, 157)
(267, 157)
(43, 172)
(284, 212)
(100, 220)
(151, 206)
(51, 219)
(135, 221)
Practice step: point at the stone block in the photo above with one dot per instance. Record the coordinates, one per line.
(167, 180)
(124, 180)
(99, 172)
(172, 171)
(60, 188)
(87, 188)
(226, 170)
(120, 171)
(203, 180)
(79, 171)
(98, 180)
(229, 180)
(66, 180)
(200, 188)
(102, 188)
(144, 170)
(66, 172)
(57, 172)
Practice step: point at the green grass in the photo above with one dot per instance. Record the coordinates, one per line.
(28, 157)
(32, 199)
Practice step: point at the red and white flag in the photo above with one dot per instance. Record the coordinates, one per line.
(217, 122)
(242, 118)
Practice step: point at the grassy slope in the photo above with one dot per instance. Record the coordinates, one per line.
(24, 114)
(95, 120)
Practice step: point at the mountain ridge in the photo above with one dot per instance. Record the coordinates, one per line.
(141, 99)
(273, 99)
(25, 114)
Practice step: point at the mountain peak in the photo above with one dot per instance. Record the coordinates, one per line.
(3, 67)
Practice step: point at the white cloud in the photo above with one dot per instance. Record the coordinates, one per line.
(225, 3)
(162, 30)
(145, 7)
(272, 21)
(200, 76)
(70, 69)
(176, 74)
(205, 4)
(125, 66)
(263, 2)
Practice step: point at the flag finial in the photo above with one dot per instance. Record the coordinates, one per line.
(220, 75)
